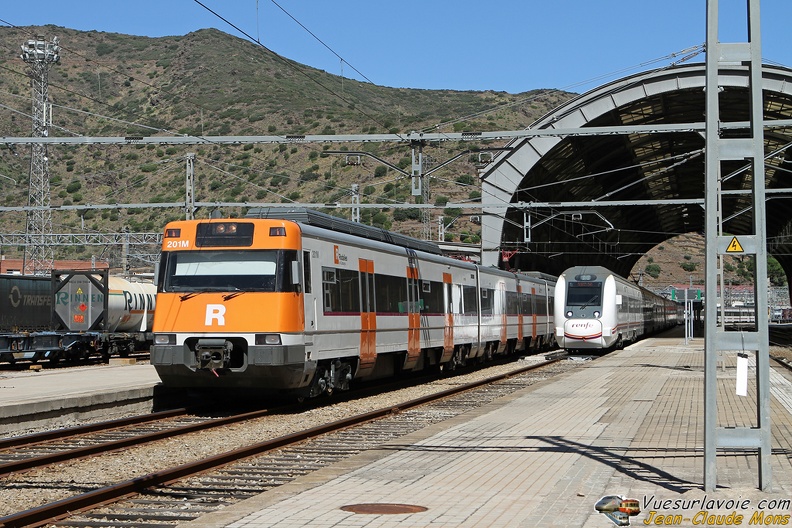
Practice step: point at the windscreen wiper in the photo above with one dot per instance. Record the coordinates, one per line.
(594, 298)
(233, 294)
(188, 295)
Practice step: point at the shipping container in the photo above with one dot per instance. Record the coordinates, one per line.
(25, 303)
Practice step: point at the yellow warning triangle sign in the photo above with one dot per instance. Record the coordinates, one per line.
(734, 246)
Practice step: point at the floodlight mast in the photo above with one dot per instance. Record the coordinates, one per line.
(40, 56)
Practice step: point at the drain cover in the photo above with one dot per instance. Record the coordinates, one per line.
(383, 508)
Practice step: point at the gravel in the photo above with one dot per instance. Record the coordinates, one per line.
(34, 488)
(37, 487)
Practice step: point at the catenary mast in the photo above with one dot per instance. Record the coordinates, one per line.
(39, 256)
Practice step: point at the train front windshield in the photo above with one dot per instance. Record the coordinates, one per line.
(227, 270)
(584, 294)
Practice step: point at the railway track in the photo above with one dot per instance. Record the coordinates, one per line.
(23, 453)
(27, 364)
(780, 335)
(187, 491)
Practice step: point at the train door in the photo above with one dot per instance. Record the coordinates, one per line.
(502, 308)
(526, 316)
(535, 313)
(520, 319)
(309, 297)
(368, 317)
(413, 312)
(448, 328)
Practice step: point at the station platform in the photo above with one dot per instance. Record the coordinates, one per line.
(60, 396)
(630, 425)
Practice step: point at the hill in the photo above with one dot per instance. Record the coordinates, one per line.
(211, 83)
(680, 261)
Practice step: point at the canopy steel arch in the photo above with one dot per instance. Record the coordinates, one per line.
(657, 157)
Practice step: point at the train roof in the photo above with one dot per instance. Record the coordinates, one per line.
(310, 217)
(538, 275)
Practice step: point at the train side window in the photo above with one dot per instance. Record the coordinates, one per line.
(389, 292)
(541, 305)
(161, 271)
(487, 301)
(328, 288)
(349, 290)
(525, 304)
(469, 303)
(307, 271)
(341, 291)
(431, 297)
(512, 303)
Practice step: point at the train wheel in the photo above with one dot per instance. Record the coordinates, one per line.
(457, 359)
(483, 358)
(125, 349)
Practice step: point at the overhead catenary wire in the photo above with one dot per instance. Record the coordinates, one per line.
(301, 71)
(323, 43)
(504, 201)
(163, 130)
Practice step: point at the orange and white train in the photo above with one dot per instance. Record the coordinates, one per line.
(305, 303)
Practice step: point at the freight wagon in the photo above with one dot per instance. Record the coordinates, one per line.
(73, 315)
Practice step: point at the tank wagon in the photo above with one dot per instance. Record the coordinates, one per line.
(57, 319)
(304, 303)
(597, 310)
(113, 312)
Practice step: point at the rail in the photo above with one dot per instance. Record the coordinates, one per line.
(57, 510)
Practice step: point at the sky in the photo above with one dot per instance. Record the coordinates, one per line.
(501, 45)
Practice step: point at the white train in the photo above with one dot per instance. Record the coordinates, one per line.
(598, 310)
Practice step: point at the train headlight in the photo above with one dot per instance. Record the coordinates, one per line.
(596, 314)
(165, 339)
(268, 339)
(569, 313)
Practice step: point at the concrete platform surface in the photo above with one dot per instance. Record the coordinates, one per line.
(628, 425)
(35, 398)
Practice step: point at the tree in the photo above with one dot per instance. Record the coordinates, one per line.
(653, 270)
(688, 266)
(775, 273)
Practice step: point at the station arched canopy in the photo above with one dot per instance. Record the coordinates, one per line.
(608, 198)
